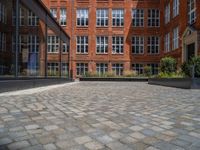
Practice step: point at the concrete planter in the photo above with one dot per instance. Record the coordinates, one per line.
(184, 83)
(7, 85)
(114, 79)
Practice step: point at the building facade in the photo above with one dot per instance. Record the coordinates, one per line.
(122, 35)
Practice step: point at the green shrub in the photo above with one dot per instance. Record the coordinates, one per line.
(187, 67)
(168, 65)
(147, 71)
(170, 75)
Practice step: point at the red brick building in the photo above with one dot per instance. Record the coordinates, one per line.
(122, 35)
(114, 34)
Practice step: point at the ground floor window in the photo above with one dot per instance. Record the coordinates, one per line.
(65, 68)
(81, 68)
(139, 68)
(118, 69)
(53, 69)
(102, 68)
(154, 68)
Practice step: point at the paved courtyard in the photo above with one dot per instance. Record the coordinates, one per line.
(102, 116)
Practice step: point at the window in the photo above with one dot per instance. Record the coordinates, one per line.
(192, 11)
(33, 20)
(175, 38)
(33, 44)
(137, 45)
(167, 13)
(118, 17)
(167, 42)
(118, 69)
(153, 18)
(82, 17)
(2, 13)
(2, 41)
(154, 68)
(139, 68)
(22, 43)
(102, 17)
(117, 45)
(102, 44)
(153, 45)
(82, 44)
(53, 44)
(65, 69)
(138, 17)
(175, 8)
(53, 12)
(102, 68)
(22, 16)
(53, 69)
(63, 17)
(65, 47)
(81, 68)
(13, 17)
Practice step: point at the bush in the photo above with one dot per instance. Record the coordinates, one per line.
(170, 75)
(130, 74)
(109, 74)
(147, 71)
(187, 67)
(168, 65)
(91, 74)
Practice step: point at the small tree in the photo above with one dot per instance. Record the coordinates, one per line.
(147, 71)
(168, 65)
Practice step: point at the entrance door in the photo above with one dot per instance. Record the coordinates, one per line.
(190, 51)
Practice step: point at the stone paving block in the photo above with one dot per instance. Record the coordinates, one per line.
(4, 141)
(94, 145)
(50, 146)
(18, 145)
(105, 139)
(83, 139)
(137, 135)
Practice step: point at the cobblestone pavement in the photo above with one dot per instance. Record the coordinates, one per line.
(102, 116)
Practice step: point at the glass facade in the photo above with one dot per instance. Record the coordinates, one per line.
(24, 44)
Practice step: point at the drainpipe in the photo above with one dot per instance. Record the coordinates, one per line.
(17, 39)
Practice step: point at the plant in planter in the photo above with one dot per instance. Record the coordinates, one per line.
(187, 67)
(147, 71)
(168, 65)
(130, 74)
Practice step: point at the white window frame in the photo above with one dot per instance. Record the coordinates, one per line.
(117, 45)
(54, 12)
(153, 45)
(101, 68)
(167, 13)
(137, 45)
(118, 17)
(101, 44)
(33, 43)
(102, 17)
(139, 68)
(2, 41)
(63, 16)
(65, 69)
(81, 69)
(176, 4)
(53, 68)
(138, 17)
(192, 11)
(176, 38)
(167, 42)
(53, 44)
(21, 16)
(33, 20)
(82, 48)
(153, 18)
(118, 69)
(82, 14)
